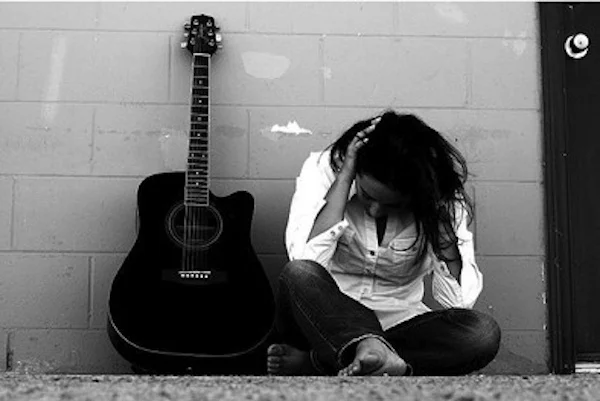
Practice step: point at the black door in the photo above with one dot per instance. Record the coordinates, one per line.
(570, 34)
(583, 172)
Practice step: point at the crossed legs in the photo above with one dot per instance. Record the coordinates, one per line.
(323, 331)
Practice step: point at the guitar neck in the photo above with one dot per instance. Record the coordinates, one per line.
(198, 163)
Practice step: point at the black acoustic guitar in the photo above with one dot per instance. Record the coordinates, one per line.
(191, 295)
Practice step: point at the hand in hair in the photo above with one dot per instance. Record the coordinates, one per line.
(337, 195)
(361, 137)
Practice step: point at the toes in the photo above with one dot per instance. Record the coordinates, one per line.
(273, 367)
(370, 363)
(351, 370)
(276, 350)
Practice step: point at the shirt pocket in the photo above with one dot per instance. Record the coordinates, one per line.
(397, 261)
(346, 253)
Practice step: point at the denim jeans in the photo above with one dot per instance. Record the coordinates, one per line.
(314, 315)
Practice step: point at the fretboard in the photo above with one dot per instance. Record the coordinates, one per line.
(197, 172)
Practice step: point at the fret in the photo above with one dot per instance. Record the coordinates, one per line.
(200, 60)
(200, 82)
(199, 127)
(198, 134)
(201, 100)
(199, 91)
(201, 71)
(200, 118)
(202, 110)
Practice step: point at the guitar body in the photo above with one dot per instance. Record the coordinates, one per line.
(196, 301)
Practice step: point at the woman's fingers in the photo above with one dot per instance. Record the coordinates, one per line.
(362, 137)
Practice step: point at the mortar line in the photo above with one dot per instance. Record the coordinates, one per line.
(93, 140)
(248, 153)
(12, 213)
(18, 65)
(169, 68)
(469, 74)
(90, 291)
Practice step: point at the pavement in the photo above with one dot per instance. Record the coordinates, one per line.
(46, 387)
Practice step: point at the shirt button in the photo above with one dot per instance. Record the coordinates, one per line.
(372, 253)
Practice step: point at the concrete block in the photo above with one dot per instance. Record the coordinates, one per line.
(168, 16)
(104, 269)
(502, 145)
(257, 70)
(468, 19)
(510, 218)
(513, 291)
(6, 212)
(75, 214)
(349, 18)
(272, 199)
(393, 72)
(45, 138)
(505, 74)
(9, 67)
(49, 15)
(92, 67)
(44, 291)
(147, 139)
(65, 351)
(133, 139)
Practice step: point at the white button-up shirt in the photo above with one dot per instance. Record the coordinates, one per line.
(382, 276)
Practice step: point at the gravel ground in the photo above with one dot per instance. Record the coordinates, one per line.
(209, 388)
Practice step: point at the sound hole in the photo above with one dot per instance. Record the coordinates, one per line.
(194, 227)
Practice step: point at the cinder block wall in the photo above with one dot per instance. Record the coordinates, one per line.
(94, 97)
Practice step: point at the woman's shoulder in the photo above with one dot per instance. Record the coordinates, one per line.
(317, 163)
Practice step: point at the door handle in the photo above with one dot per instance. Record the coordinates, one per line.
(577, 46)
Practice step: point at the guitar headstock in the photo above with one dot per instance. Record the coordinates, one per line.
(202, 35)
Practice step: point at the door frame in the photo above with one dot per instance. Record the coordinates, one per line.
(553, 31)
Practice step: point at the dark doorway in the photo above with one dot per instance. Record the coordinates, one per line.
(570, 38)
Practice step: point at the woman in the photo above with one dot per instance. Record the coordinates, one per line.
(372, 215)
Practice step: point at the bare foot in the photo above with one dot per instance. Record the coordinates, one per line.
(374, 358)
(285, 360)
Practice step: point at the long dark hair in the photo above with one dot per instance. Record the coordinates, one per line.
(409, 156)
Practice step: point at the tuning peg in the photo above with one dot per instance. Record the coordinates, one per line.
(187, 25)
(186, 34)
(183, 45)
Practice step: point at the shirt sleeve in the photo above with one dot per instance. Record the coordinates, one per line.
(312, 185)
(445, 288)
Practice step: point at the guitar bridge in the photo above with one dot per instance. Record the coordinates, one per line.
(194, 274)
(194, 277)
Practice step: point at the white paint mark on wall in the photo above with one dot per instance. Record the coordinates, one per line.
(265, 65)
(292, 128)
(53, 84)
(327, 73)
(451, 12)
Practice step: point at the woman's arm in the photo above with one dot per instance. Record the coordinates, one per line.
(337, 195)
